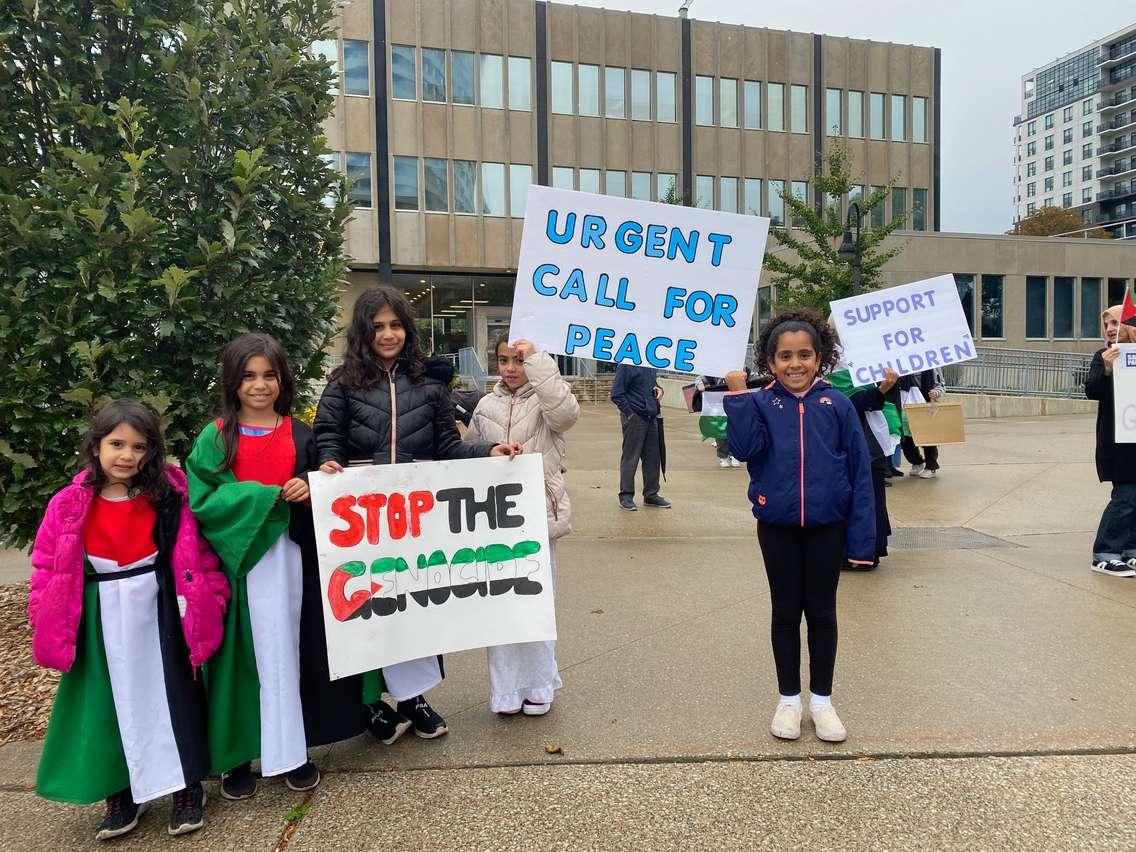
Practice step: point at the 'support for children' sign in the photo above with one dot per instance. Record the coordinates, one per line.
(420, 559)
(910, 328)
(633, 282)
(1124, 393)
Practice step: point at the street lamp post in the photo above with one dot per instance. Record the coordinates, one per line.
(849, 250)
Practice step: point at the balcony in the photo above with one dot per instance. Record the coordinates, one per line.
(1119, 213)
(1116, 54)
(1121, 122)
(1110, 78)
(1117, 146)
(1121, 168)
(1118, 192)
(1120, 99)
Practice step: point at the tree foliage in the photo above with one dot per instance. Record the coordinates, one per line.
(161, 190)
(818, 275)
(1051, 221)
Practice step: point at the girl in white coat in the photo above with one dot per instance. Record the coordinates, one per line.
(534, 406)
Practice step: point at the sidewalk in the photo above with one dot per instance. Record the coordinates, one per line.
(985, 675)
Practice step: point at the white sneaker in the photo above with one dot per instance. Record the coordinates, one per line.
(926, 474)
(786, 722)
(828, 725)
(734, 462)
(1115, 568)
(917, 469)
(723, 463)
(1132, 562)
(531, 708)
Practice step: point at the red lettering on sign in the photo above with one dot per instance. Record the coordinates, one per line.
(351, 536)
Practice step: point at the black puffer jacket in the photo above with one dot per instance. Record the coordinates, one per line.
(1116, 463)
(354, 424)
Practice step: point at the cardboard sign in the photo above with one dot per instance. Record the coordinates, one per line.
(936, 423)
(420, 559)
(910, 328)
(1124, 393)
(632, 282)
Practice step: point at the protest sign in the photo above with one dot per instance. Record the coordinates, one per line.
(631, 282)
(420, 559)
(910, 328)
(1124, 393)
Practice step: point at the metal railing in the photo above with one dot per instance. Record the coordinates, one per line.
(470, 369)
(1020, 372)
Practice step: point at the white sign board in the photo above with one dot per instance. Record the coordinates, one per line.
(632, 282)
(910, 328)
(1124, 393)
(420, 559)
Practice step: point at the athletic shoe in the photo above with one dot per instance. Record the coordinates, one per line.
(1113, 568)
(427, 723)
(828, 725)
(723, 463)
(238, 783)
(531, 708)
(303, 778)
(188, 812)
(786, 722)
(1132, 562)
(387, 724)
(917, 469)
(657, 502)
(897, 473)
(628, 504)
(927, 474)
(734, 462)
(121, 816)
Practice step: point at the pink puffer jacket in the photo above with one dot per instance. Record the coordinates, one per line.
(56, 601)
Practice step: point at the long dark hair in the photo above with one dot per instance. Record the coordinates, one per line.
(151, 479)
(361, 367)
(801, 319)
(234, 357)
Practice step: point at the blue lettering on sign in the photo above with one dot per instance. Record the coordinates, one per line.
(629, 237)
(538, 278)
(592, 231)
(569, 228)
(655, 241)
(688, 245)
(574, 286)
(684, 355)
(604, 339)
(629, 350)
(719, 241)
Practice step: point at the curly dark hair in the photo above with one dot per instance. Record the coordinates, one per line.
(151, 479)
(361, 367)
(800, 319)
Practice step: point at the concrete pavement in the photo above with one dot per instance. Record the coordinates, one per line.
(985, 677)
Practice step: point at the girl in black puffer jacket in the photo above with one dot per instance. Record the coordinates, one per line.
(388, 404)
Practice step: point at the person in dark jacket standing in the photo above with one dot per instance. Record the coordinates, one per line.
(636, 394)
(924, 464)
(1114, 550)
(389, 404)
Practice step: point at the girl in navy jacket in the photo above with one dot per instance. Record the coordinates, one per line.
(811, 489)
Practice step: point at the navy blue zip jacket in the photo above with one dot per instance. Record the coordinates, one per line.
(808, 461)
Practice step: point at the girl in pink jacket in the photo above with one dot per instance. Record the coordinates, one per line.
(126, 600)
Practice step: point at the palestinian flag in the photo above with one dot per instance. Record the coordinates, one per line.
(712, 421)
(886, 425)
(1128, 310)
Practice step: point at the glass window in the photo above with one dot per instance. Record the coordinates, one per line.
(898, 118)
(1031, 189)
(1030, 208)
(899, 202)
(641, 186)
(1063, 307)
(519, 179)
(563, 177)
(1049, 121)
(433, 75)
(588, 89)
(359, 175)
(640, 95)
(1067, 114)
(1086, 194)
(590, 180)
(752, 200)
(856, 115)
(800, 191)
(615, 92)
(798, 96)
(435, 184)
(1087, 107)
(1031, 169)
(328, 49)
(727, 102)
(1067, 136)
(465, 186)
(492, 89)
(775, 209)
(965, 286)
(704, 101)
(775, 103)
(1086, 129)
(356, 65)
(1049, 142)
(1035, 306)
(615, 183)
(520, 83)
(562, 87)
(1049, 184)
(1087, 151)
(992, 306)
(832, 111)
(405, 183)
(1091, 308)
(918, 209)
(461, 67)
(1049, 164)
(667, 188)
(918, 119)
(878, 210)
(1031, 128)
(404, 84)
(876, 115)
(1067, 178)
(1031, 149)
(751, 92)
(665, 96)
(704, 192)
(1116, 290)
(493, 188)
(728, 195)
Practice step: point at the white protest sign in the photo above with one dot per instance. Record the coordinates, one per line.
(1124, 393)
(909, 328)
(632, 282)
(420, 559)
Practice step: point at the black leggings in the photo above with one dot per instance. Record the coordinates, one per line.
(803, 566)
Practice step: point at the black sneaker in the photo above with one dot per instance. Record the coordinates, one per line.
(628, 504)
(188, 812)
(238, 783)
(121, 816)
(387, 724)
(897, 473)
(1113, 568)
(657, 502)
(427, 723)
(303, 778)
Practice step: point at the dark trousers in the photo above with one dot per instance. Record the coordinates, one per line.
(722, 448)
(1116, 535)
(803, 567)
(883, 522)
(929, 456)
(640, 442)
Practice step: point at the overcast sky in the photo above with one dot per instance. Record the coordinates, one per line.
(987, 46)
